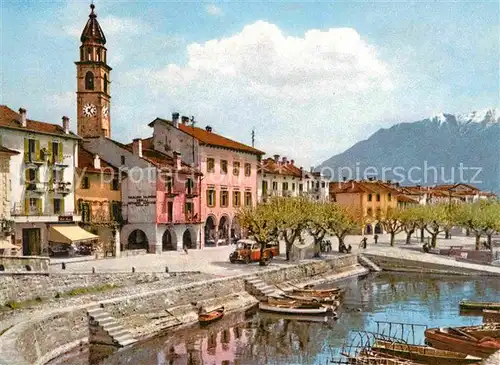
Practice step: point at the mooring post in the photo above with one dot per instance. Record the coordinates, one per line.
(63, 266)
(133, 268)
(93, 269)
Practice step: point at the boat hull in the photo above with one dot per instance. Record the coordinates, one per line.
(210, 317)
(423, 354)
(491, 316)
(276, 308)
(479, 306)
(450, 342)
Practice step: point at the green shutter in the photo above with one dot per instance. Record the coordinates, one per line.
(60, 149)
(39, 206)
(51, 178)
(49, 148)
(26, 205)
(37, 176)
(37, 149)
(26, 177)
(62, 206)
(26, 150)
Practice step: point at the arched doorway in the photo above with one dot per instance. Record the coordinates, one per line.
(210, 232)
(168, 242)
(235, 230)
(368, 229)
(137, 240)
(187, 241)
(223, 233)
(378, 229)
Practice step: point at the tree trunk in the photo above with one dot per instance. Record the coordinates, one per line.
(488, 239)
(408, 236)
(262, 262)
(393, 235)
(288, 250)
(341, 241)
(422, 235)
(446, 233)
(434, 240)
(478, 242)
(467, 232)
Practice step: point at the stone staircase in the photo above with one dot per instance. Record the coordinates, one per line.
(105, 329)
(369, 264)
(260, 289)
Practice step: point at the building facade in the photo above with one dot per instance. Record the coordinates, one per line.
(281, 177)
(98, 199)
(229, 171)
(160, 196)
(42, 177)
(6, 223)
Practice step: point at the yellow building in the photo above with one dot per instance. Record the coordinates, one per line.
(98, 199)
(6, 224)
(370, 198)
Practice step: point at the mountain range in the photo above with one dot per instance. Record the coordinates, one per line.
(441, 149)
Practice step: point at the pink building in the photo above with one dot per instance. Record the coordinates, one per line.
(160, 196)
(229, 171)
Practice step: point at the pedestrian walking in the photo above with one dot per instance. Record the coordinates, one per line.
(363, 242)
(375, 238)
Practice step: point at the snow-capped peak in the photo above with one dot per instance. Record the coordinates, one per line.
(488, 116)
(439, 117)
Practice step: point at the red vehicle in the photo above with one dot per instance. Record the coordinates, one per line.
(249, 251)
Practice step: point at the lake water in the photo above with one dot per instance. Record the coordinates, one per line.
(259, 338)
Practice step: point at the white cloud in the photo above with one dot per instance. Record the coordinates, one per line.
(214, 10)
(301, 93)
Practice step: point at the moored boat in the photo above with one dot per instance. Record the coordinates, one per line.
(211, 316)
(368, 357)
(478, 306)
(316, 292)
(423, 354)
(480, 331)
(292, 308)
(459, 341)
(491, 316)
(306, 298)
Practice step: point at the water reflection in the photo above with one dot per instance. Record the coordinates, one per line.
(260, 338)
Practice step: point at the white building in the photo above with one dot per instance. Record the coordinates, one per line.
(281, 177)
(42, 178)
(6, 224)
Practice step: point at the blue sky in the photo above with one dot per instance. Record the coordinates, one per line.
(312, 78)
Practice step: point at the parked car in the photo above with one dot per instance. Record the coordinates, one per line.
(249, 251)
(61, 249)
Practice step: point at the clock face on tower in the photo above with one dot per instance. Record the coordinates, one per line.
(89, 110)
(105, 112)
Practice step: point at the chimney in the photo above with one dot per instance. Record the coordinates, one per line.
(177, 160)
(65, 124)
(292, 162)
(208, 129)
(344, 178)
(22, 111)
(184, 120)
(276, 158)
(175, 119)
(283, 160)
(137, 147)
(97, 162)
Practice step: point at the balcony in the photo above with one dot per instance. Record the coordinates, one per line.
(188, 219)
(36, 187)
(60, 187)
(30, 159)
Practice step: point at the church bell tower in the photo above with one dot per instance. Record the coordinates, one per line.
(93, 83)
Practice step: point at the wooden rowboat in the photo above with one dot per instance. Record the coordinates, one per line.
(483, 330)
(305, 298)
(478, 306)
(209, 317)
(316, 292)
(368, 357)
(423, 354)
(297, 308)
(491, 316)
(459, 341)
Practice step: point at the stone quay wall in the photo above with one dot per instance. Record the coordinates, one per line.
(21, 287)
(48, 335)
(23, 264)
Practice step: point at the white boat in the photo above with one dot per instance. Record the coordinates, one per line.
(295, 317)
(277, 308)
